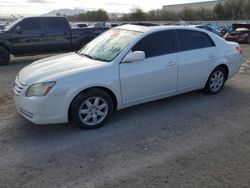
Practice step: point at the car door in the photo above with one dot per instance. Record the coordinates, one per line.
(157, 74)
(26, 40)
(197, 52)
(57, 35)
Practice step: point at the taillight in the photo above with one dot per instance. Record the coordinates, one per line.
(239, 49)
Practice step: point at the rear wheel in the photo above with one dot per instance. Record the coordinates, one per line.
(216, 81)
(91, 109)
(4, 56)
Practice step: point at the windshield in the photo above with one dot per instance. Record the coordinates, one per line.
(109, 45)
(10, 26)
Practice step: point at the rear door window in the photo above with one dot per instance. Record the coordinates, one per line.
(56, 25)
(191, 40)
(157, 44)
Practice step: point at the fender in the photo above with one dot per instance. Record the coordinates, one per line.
(6, 45)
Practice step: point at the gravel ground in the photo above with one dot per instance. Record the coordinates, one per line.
(191, 140)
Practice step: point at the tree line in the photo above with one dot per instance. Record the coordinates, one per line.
(229, 10)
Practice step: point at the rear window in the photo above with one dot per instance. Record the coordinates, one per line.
(191, 40)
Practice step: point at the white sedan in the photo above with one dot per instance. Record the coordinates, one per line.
(124, 66)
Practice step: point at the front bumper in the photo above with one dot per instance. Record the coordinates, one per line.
(42, 110)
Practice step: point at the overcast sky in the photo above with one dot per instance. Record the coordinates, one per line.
(36, 7)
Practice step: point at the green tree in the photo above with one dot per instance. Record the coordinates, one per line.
(204, 14)
(219, 12)
(188, 14)
(154, 15)
(169, 16)
(246, 9)
(137, 15)
(125, 18)
(101, 15)
(234, 9)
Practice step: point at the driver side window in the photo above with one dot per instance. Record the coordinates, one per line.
(157, 44)
(31, 25)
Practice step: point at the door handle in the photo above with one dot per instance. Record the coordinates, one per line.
(211, 56)
(171, 63)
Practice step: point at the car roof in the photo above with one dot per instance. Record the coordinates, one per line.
(43, 17)
(149, 29)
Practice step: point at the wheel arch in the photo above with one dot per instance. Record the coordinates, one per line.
(6, 47)
(225, 67)
(216, 66)
(107, 90)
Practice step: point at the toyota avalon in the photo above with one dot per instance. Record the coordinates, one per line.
(125, 66)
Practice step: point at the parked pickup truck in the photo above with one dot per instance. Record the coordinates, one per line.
(41, 35)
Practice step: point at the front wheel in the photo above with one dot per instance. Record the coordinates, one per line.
(216, 81)
(4, 56)
(91, 109)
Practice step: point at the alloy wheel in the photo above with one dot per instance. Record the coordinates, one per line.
(93, 111)
(216, 81)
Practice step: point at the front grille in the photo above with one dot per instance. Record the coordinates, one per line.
(18, 87)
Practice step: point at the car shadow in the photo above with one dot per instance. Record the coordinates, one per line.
(189, 105)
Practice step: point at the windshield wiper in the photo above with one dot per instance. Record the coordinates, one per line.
(91, 57)
(100, 59)
(88, 56)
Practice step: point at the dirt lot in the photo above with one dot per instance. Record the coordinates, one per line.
(192, 140)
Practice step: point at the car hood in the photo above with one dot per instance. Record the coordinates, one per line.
(55, 67)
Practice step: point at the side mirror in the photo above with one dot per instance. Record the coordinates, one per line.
(18, 30)
(134, 56)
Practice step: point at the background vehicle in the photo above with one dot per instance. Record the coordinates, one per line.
(240, 35)
(99, 25)
(209, 28)
(125, 66)
(81, 25)
(39, 35)
(113, 25)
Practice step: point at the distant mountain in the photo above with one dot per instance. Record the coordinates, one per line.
(67, 12)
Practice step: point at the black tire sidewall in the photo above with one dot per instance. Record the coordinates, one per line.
(4, 53)
(80, 98)
(208, 89)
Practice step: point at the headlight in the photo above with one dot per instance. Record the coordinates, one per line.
(40, 89)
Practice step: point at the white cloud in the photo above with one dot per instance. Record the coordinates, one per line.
(37, 1)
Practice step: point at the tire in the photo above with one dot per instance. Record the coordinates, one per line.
(91, 109)
(4, 56)
(216, 81)
(248, 41)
